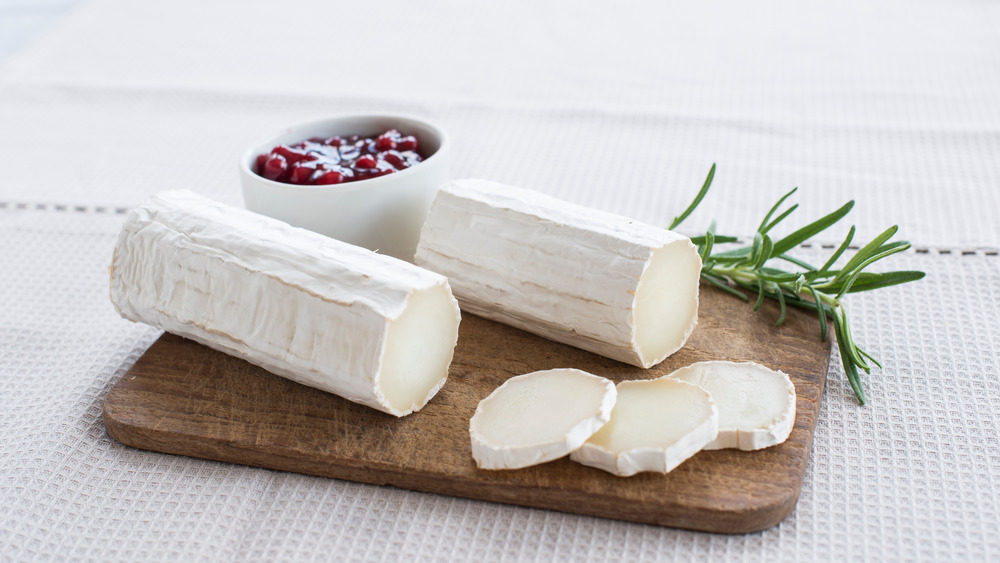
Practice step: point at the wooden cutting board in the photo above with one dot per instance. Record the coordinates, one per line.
(183, 398)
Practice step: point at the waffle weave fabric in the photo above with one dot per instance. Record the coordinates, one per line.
(893, 104)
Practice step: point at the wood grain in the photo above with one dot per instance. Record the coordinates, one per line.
(183, 398)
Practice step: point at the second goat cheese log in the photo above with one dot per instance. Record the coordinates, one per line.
(587, 278)
(370, 328)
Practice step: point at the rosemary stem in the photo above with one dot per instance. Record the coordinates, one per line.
(819, 290)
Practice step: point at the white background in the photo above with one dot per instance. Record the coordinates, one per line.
(621, 106)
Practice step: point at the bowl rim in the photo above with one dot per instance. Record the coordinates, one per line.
(370, 183)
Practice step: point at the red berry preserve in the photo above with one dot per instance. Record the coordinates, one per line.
(335, 160)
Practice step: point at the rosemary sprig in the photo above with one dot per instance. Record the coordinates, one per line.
(750, 269)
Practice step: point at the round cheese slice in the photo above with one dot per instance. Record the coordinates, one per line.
(756, 404)
(538, 417)
(655, 425)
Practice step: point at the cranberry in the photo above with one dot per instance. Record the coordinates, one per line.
(395, 159)
(301, 174)
(387, 141)
(292, 155)
(338, 159)
(408, 143)
(275, 167)
(331, 177)
(366, 161)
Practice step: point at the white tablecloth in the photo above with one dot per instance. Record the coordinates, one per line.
(620, 106)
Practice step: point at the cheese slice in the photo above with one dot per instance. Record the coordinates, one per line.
(370, 328)
(756, 404)
(656, 425)
(590, 279)
(539, 416)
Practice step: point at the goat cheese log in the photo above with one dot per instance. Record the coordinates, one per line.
(370, 328)
(587, 278)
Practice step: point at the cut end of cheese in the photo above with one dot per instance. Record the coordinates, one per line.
(419, 346)
(756, 404)
(655, 425)
(666, 302)
(538, 417)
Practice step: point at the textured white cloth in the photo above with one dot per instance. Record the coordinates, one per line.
(622, 107)
(891, 103)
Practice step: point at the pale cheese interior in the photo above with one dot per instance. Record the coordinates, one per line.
(538, 408)
(654, 414)
(748, 396)
(418, 348)
(666, 302)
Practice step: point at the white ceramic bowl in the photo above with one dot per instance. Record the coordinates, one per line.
(383, 214)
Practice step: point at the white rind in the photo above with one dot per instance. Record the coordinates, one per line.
(742, 423)
(585, 391)
(301, 305)
(662, 454)
(558, 270)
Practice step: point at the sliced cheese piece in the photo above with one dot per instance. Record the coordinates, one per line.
(586, 278)
(656, 424)
(756, 404)
(370, 328)
(538, 417)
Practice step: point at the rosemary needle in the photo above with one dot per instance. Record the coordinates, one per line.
(750, 269)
